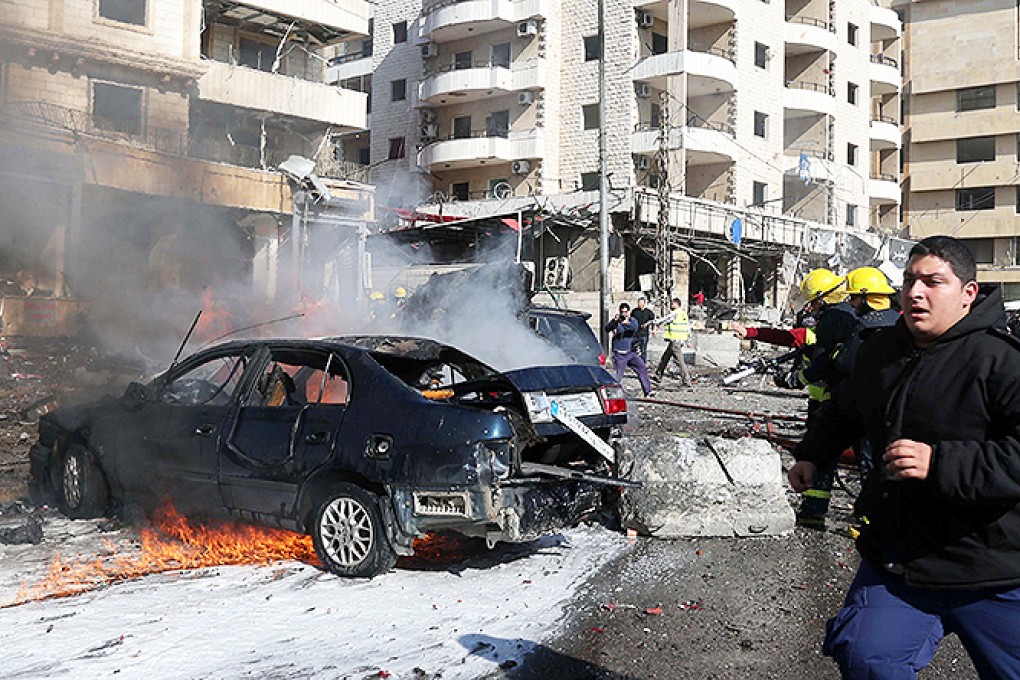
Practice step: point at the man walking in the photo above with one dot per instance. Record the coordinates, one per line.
(644, 317)
(623, 328)
(938, 397)
(676, 331)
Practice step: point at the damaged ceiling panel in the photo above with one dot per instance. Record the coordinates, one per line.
(257, 20)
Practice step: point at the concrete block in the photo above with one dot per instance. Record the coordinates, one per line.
(704, 487)
(716, 350)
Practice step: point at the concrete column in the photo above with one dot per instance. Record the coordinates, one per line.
(679, 13)
(682, 276)
(734, 280)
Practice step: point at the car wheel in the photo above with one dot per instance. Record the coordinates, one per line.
(81, 488)
(349, 534)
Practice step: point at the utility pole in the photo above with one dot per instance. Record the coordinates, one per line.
(603, 183)
(663, 245)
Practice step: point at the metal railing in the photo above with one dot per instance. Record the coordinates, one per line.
(811, 21)
(884, 119)
(813, 152)
(447, 68)
(486, 132)
(692, 121)
(885, 177)
(882, 59)
(171, 142)
(364, 53)
(811, 86)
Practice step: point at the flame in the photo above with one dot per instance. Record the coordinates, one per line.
(170, 544)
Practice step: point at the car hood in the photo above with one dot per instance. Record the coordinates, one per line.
(557, 378)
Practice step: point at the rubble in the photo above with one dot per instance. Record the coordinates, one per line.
(706, 486)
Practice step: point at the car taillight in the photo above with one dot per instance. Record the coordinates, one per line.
(614, 400)
(602, 359)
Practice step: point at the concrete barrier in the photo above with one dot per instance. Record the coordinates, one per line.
(704, 487)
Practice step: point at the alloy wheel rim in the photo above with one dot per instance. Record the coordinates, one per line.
(72, 480)
(346, 531)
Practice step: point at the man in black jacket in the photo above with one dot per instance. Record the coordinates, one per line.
(939, 395)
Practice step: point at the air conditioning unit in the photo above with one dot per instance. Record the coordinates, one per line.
(557, 272)
(645, 20)
(643, 90)
(526, 28)
(642, 162)
(429, 116)
(430, 130)
(520, 167)
(525, 98)
(429, 49)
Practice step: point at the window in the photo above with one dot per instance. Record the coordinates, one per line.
(498, 123)
(255, 54)
(982, 248)
(213, 382)
(759, 193)
(590, 113)
(851, 33)
(851, 93)
(591, 47)
(126, 11)
(974, 98)
(400, 32)
(117, 108)
(761, 124)
(660, 43)
(851, 215)
(761, 55)
(501, 55)
(980, 198)
(462, 60)
(398, 90)
(462, 127)
(974, 149)
(1017, 205)
(396, 148)
(656, 119)
(365, 155)
(460, 190)
(851, 154)
(499, 187)
(589, 181)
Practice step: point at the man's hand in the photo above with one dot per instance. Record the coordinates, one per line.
(739, 329)
(907, 459)
(802, 476)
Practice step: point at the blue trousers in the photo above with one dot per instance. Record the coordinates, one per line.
(888, 630)
(624, 359)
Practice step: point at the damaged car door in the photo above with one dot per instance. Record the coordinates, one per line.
(284, 429)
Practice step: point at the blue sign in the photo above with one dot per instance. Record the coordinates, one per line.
(804, 169)
(736, 230)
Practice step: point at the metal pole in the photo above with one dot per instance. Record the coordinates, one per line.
(603, 183)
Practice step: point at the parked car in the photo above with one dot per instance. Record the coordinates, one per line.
(568, 330)
(362, 442)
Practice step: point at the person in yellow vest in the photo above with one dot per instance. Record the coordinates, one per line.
(676, 330)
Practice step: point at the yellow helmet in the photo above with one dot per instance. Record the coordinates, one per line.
(868, 280)
(822, 283)
(400, 293)
(376, 295)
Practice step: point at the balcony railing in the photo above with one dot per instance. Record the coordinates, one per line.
(173, 142)
(493, 132)
(885, 177)
(813, 152)
(811, 86)
(692, 121)
(363, 53)
(811, 21)
(717, 51)
(463, 66)
(882, 59)
(884, 119)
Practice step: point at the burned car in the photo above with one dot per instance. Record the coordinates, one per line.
(365, 443)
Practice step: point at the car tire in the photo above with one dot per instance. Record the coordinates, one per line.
(82, 492)
(349, 533)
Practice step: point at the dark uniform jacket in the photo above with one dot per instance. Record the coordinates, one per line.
(836, 325)
(960, 527)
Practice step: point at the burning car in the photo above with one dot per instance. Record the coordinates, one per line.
(365, 443)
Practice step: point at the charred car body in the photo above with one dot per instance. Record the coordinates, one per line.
(365, 443)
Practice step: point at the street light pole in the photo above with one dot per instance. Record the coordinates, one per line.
(603, 182)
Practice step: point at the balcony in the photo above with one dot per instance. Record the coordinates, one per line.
(885, 24)
(883, 189)
(884, 134)
(481, 81)
(808, 163)
(448, 20)
(807, 34)
(806, 98)
(482, 147)
(710, 72)
(705, 142)
(884, 73)
(709, 12)
(327, 21)
(350, 65)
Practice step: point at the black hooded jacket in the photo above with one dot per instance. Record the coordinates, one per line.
(960, 527)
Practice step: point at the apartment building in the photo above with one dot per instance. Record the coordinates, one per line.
(141, 140)
(780, 108)
(962, 128)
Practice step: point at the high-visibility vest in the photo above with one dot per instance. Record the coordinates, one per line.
(678, 328)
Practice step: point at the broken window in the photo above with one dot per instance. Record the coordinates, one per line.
(213, 382)
(117, 108)
(255, 54)
(126, 11)
(300, 378)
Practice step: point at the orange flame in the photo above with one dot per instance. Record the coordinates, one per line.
(171, 544)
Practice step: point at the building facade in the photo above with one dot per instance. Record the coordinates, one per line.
(140, 142)
(962, 128)
(781, 108)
